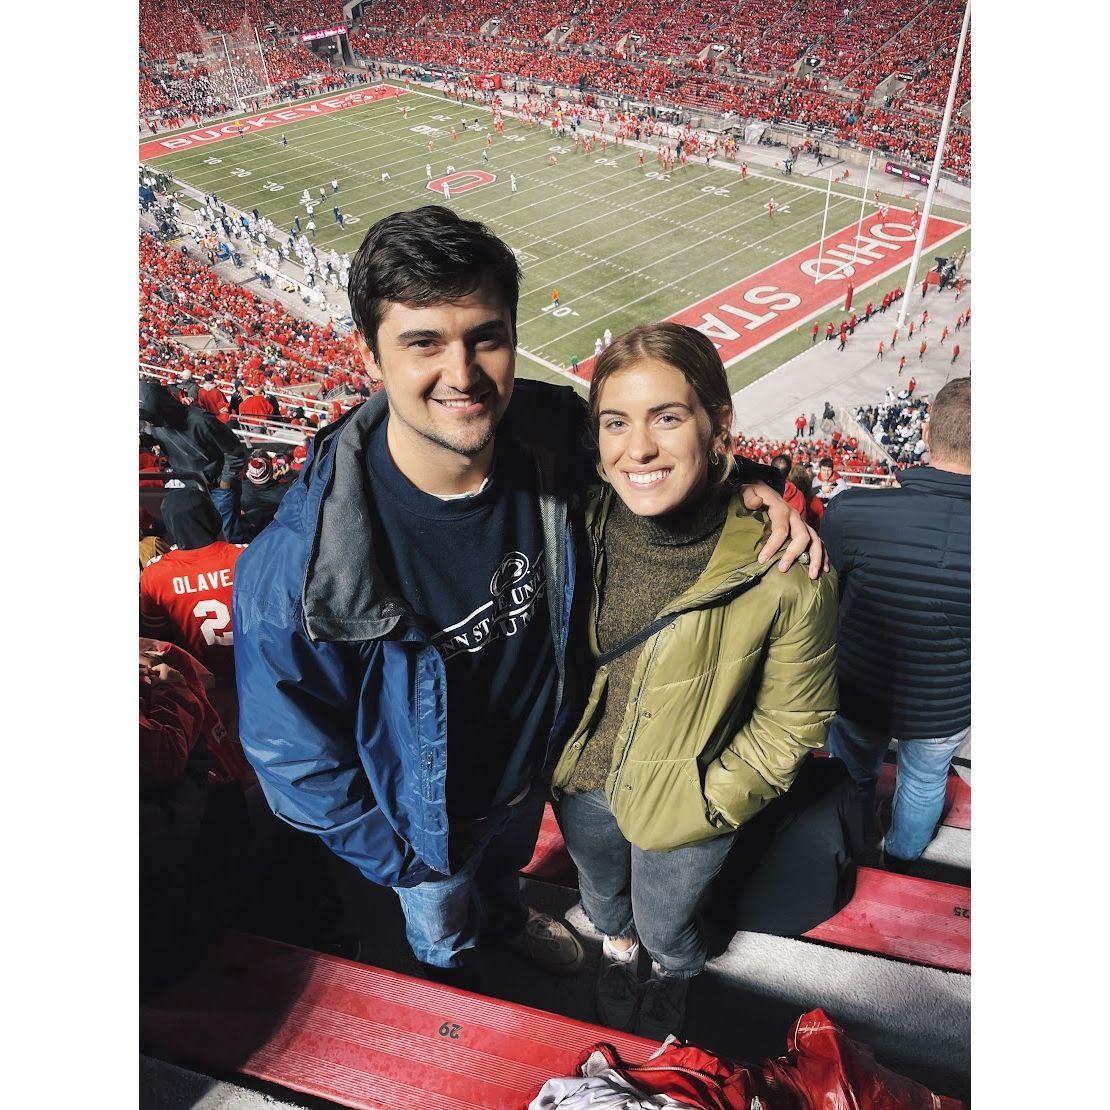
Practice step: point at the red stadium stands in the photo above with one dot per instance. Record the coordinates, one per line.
(180, 296)
(358, 1035)
(657, 58)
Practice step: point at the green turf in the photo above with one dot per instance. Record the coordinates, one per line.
(622, 244)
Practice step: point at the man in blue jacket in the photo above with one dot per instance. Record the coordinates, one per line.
(402, 626)
(903, 557)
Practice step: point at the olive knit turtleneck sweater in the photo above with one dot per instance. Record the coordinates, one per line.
(648, 562)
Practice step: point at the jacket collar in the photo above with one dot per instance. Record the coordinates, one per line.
(732, 564)
(344, 594)
(928, 479)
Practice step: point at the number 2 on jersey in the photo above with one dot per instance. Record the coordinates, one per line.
(216, 629)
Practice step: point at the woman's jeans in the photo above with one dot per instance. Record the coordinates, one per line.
(922, 779)
(624, 887)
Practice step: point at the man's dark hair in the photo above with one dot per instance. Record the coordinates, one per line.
(782, 462)
(826, 461)
(425, 257)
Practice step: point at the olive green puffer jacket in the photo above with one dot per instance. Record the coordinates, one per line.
(725, 701)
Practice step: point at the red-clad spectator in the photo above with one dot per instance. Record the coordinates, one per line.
(256, 404)
(185, 595)
(212, 398)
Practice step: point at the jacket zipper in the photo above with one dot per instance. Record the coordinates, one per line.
(639, 697)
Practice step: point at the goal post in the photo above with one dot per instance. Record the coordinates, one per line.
(236, 62)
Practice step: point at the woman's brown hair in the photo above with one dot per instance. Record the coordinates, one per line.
(802, 480)
(693, 356)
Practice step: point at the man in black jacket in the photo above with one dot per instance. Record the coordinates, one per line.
(904, 646)
(194, 439)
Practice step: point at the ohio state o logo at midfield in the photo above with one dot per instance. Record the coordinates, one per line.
(463, 181)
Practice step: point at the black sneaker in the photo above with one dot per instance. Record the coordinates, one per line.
(346, 945)
(897, 864)
(617, 991)
(469, 977)
(662, 1006)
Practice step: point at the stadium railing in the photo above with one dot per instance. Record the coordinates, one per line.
(850, 426)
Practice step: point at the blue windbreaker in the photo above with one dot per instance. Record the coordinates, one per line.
(342, 698)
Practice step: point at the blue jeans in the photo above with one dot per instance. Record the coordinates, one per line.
(922, 779)
(623, 886)
(227, 505)
(448, 915)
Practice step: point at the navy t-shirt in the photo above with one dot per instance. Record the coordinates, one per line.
(472, 569)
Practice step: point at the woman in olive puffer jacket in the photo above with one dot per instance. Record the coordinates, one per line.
(715, 673)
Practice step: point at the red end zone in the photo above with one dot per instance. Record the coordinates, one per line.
(758, 309)
(279, 117)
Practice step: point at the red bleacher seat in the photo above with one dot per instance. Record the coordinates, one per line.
(358, 1035)
(904, 918)
(898, 916)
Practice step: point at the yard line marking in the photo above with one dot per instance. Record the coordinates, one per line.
(573, 378)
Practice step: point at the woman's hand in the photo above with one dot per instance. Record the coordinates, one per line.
(785, 522)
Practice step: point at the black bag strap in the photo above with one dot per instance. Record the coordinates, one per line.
(640, 637)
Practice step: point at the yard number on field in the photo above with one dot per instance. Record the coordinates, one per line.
(237, 172)
(712, 191)
(559, 310)
(212, 161)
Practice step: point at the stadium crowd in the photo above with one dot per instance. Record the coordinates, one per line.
(255, 341)
(629, 51)
(170, 27)
(800, 101)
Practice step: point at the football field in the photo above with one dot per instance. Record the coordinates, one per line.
(623, 244)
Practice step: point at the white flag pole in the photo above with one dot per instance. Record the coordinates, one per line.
(935, 175)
